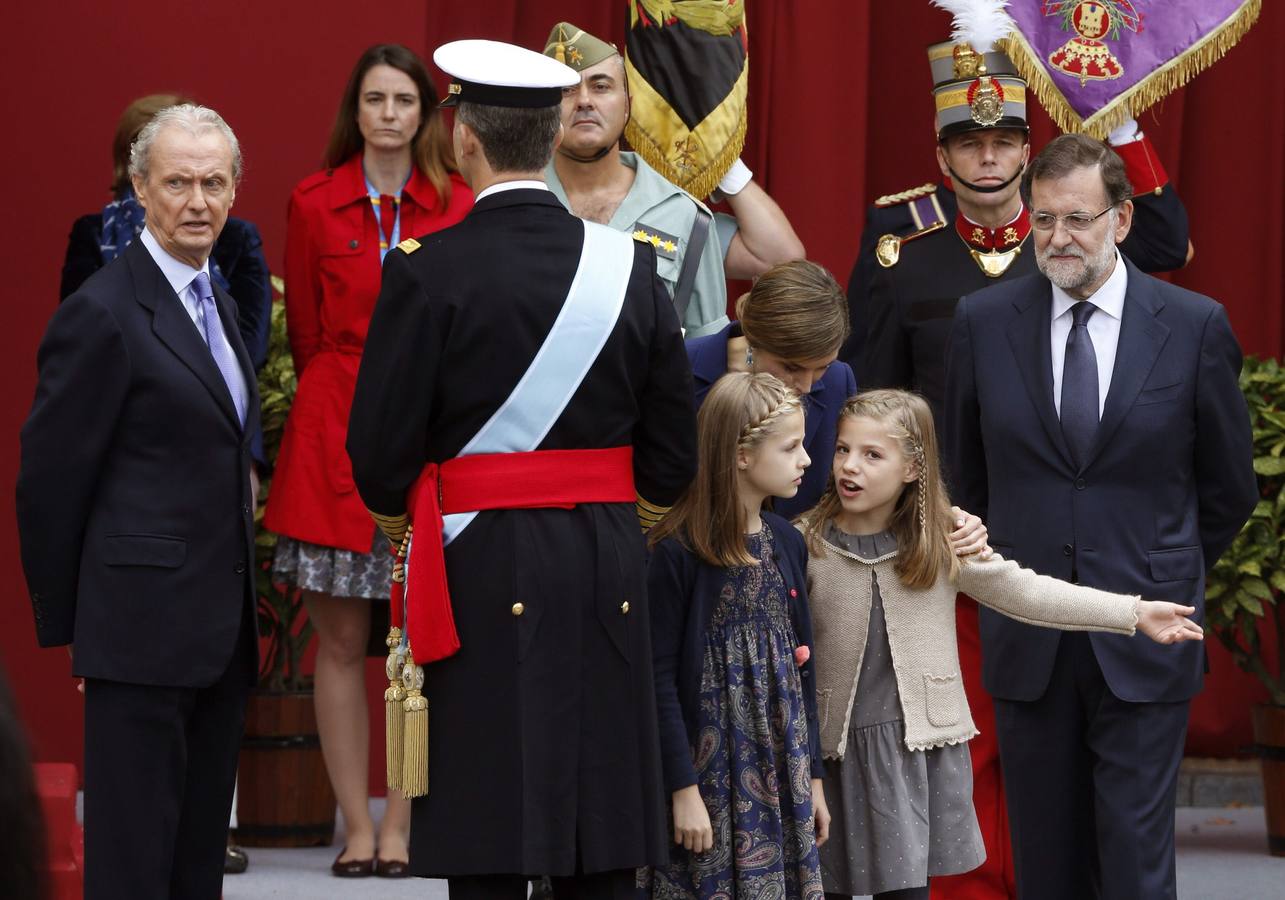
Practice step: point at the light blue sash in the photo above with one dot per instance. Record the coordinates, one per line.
(587, 318)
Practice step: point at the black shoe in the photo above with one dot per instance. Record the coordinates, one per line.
(235, 861)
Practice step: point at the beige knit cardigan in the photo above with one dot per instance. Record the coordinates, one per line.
(921, 635)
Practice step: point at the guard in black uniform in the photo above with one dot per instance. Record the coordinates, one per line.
(922, 248)
(543, 755)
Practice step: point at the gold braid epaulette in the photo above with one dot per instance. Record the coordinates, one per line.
(393, 527)
(907, 195)
(648, 513)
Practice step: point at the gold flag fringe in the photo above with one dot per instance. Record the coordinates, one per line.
(1147, 92)
(701, 184)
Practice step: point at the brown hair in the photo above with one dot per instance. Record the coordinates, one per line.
(740, 411)
(796, 311)
(131, 122)
(431, 146)
(513, 139)
(1068, 152)
(921, 520)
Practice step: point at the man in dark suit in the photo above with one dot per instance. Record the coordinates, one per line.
(1093, 418)
(525, 376)
(134, 511)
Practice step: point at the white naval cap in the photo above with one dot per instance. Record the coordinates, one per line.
(497, 74)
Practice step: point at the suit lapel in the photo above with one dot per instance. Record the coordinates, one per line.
(1142, 336)
(175, 328)
(1028, 336)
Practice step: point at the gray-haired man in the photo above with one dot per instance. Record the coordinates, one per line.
(137, 527)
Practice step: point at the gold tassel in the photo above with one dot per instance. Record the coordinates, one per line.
(415, 755)
(560, 52)
(1143, 95)
(394, 715)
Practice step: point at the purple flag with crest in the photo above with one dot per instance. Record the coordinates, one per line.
(1093, 63)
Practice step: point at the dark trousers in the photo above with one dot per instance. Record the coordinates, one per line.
(614, 885)
(160, 765)
(1091, 783)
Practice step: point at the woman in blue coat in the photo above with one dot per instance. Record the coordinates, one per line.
(790, 325)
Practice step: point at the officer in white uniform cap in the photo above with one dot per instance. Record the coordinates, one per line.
(543, 748)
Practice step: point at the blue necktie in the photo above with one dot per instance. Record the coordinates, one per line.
(1080, 385)
(212, 330)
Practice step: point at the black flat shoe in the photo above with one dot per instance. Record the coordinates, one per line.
(235, 861)
(391, 868)
(352, 868)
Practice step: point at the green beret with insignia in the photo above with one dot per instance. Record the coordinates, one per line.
(577, 48)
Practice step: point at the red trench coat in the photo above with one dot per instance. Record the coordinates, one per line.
(332, 282)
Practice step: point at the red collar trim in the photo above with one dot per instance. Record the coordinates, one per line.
(992, 240)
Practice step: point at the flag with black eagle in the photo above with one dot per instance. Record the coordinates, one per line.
(687, 62)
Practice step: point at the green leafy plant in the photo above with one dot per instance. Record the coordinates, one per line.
(281, 614)
(1243, 591)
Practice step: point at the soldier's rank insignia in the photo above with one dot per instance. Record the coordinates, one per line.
(666, 244)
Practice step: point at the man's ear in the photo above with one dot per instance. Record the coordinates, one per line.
(137, 182)
(942, 162)
(1123, 220)
(557, 138)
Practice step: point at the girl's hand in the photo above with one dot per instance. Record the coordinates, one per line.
(691, 820)
(1167, 623)
(969, 536)
(820, 812)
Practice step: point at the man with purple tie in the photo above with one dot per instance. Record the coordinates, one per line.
(136, 519)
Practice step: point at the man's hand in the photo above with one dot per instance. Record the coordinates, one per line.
(691, 820)
(969, 536)
(1167, 623)
(820, 812)
(80, 682)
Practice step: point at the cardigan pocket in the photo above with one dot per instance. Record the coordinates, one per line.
(941, 695)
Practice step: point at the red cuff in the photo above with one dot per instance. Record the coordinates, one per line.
(1142, 164)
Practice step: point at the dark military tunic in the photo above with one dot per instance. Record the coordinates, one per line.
(543, 748)
(901, 316)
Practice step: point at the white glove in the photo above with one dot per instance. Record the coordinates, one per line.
(736, 178)
(1126, 133)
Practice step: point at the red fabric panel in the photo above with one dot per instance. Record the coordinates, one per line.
(840, 112)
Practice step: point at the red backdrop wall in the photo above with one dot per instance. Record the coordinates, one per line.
(839, 113)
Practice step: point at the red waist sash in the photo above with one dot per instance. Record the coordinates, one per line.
(538, 479)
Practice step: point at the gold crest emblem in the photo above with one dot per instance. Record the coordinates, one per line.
(986, 101)
(888, 250)
(967, 62)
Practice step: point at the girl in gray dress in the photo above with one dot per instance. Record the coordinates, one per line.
(894, 721)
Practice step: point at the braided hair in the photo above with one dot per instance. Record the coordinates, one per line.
(739, 413)
(921, 519)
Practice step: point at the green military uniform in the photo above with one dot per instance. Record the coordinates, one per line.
(666, 212)
(655, 209)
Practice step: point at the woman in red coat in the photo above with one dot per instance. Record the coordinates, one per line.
(389, 176)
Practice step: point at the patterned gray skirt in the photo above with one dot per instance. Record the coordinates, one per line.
(339, 573)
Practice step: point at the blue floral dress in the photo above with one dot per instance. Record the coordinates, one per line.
(752, 755)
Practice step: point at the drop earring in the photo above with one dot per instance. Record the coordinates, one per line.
(749, 357)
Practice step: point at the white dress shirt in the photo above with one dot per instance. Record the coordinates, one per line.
(181, 277)
(1104, 330)
(528, 184)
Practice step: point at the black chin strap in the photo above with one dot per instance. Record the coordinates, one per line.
(567, 154)
(984, 189)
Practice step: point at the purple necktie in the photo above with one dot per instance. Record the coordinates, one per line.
(1080, 385)
(212, 330)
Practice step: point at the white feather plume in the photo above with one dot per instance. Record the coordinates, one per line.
(980, 23)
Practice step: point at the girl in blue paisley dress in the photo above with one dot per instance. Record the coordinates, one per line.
(731, 643)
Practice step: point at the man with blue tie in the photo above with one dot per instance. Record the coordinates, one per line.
(1093, 418)
(137, 527)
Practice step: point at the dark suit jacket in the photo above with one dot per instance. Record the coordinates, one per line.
(134, 494)
(708, 355)
(1167, 486)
